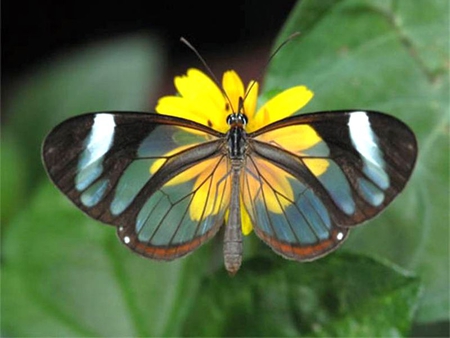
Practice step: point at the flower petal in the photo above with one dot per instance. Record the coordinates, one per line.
(196, 84)
(273, 181)
(233, 86)
(179, 107)
(184, 176)
(294, 138)
(211, 189)
(277, 182)
(246, 223)
(251, 100)
(282, 105)
(200, 101)
(317, 165)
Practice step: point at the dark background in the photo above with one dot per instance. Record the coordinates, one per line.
(33, 31)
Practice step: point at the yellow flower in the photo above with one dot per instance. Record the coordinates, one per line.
(201, 100)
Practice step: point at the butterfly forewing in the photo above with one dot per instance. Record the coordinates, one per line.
(163, 181)
(342, 167)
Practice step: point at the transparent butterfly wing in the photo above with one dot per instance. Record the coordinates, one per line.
(288, 216)
(342, 168)
(141, 173)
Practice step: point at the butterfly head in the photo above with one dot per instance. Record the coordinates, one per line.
(238, 119)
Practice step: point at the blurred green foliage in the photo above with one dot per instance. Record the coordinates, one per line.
(341, 295)
(64, 274)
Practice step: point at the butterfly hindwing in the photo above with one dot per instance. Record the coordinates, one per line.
(141, 172)
(183, 213)
(286, 213)
(342, 167)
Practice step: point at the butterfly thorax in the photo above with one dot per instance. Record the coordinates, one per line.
(236, 136)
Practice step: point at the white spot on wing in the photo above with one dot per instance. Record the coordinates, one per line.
(97, 144)
(363, 138)
(339, 236)
(100, 138)
(126, 240)
(365, 142)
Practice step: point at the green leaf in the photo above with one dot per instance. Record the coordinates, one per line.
(115, 75)
(12, 178)
(67, 275)
(390, 56)
(342, 295)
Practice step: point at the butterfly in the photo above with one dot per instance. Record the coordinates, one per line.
(169, 183)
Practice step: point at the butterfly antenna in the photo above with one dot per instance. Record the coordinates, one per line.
(275, 52)
(216, 81)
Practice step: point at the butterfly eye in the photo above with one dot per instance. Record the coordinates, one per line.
(230, 119)
(237, 119)
(244, 119)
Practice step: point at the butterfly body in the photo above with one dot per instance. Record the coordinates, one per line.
(237, 152)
